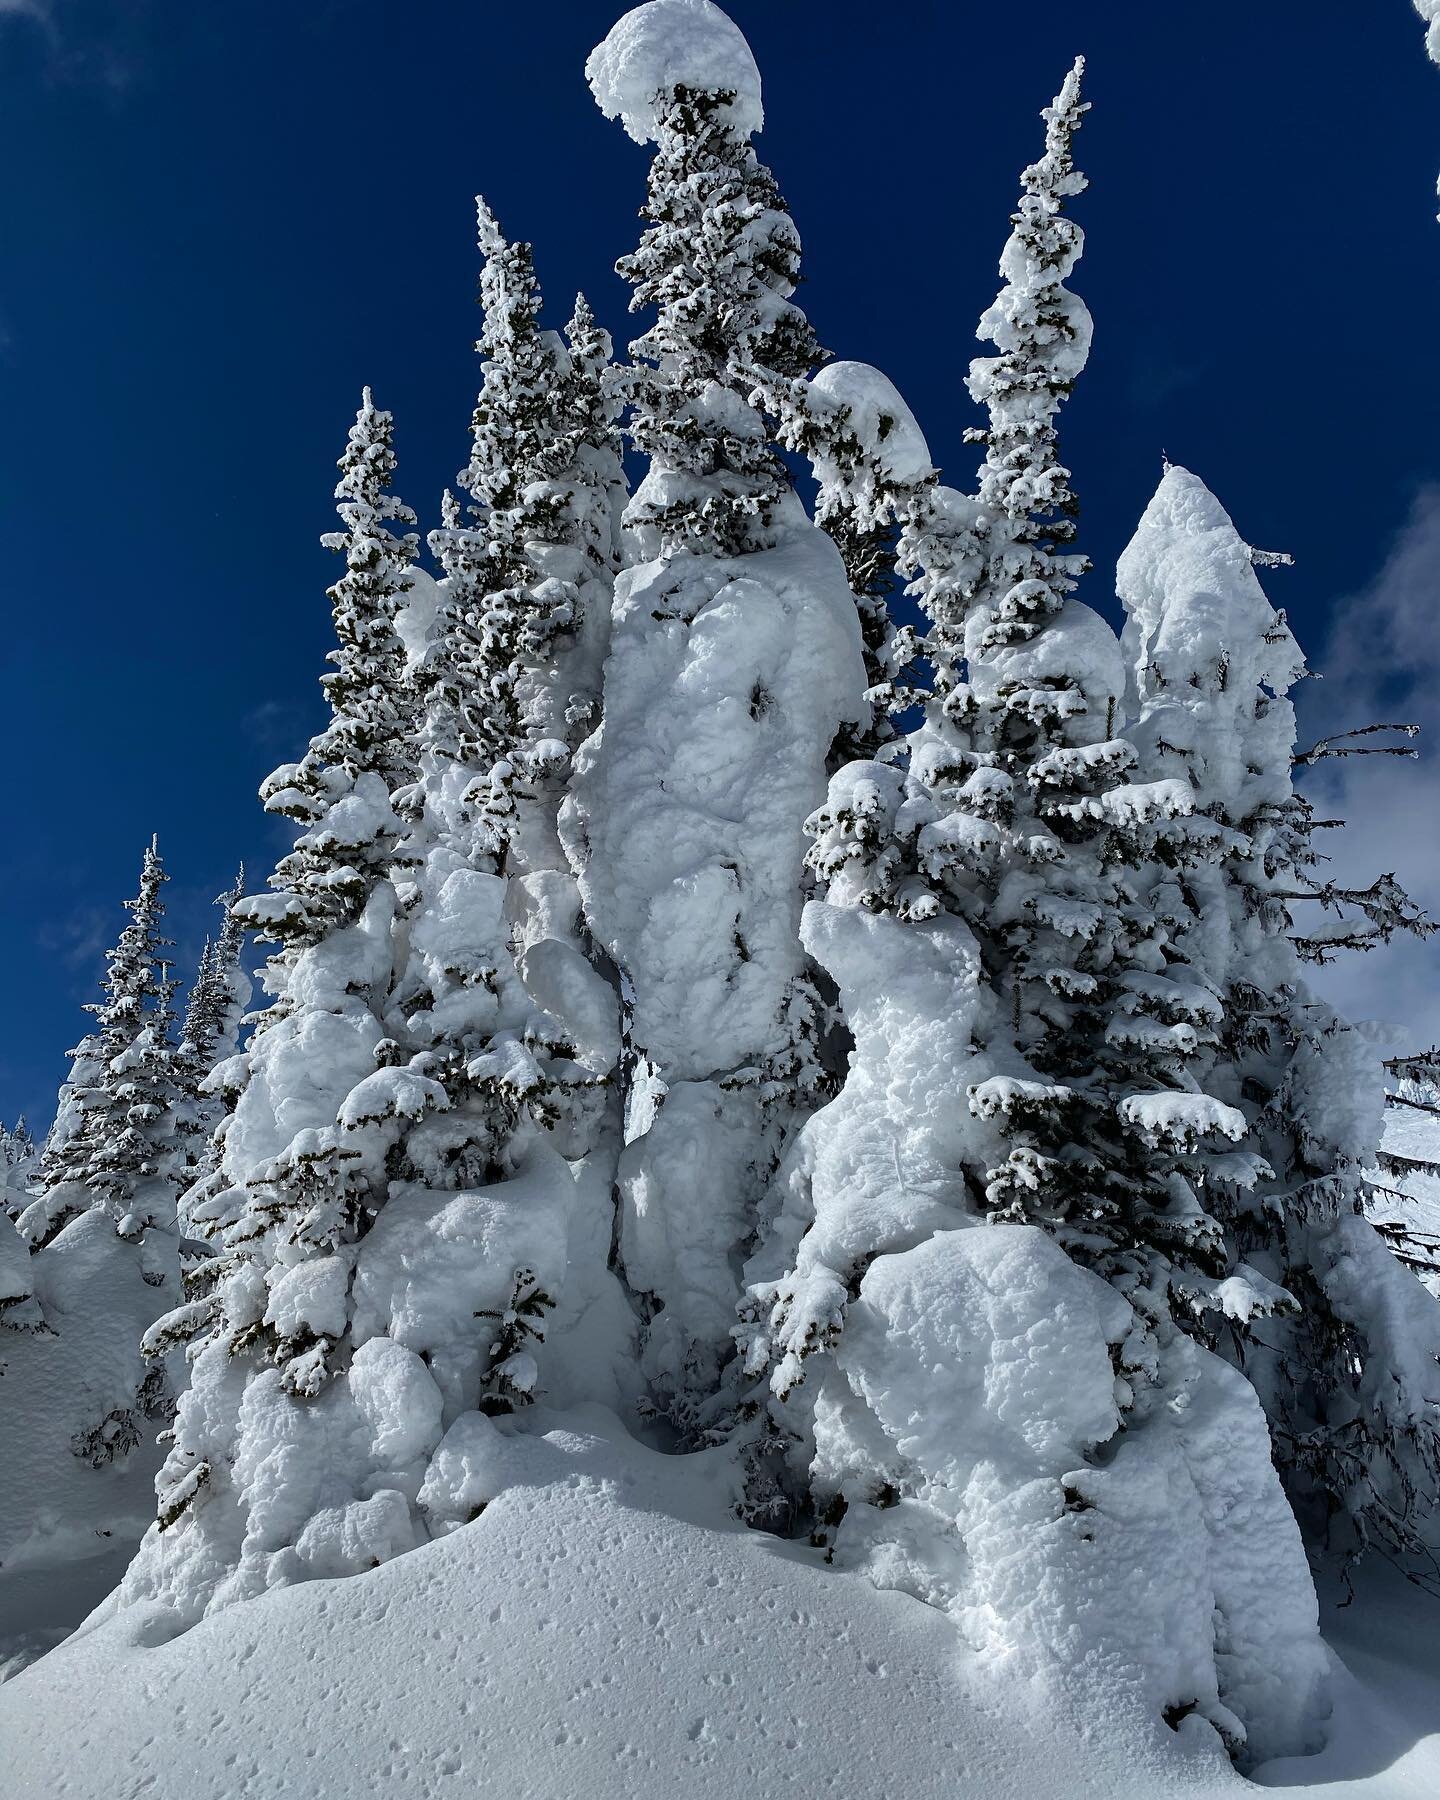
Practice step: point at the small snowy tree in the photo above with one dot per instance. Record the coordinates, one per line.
(113, 1139)
(209, 1037)
(101, 1246)
(19, 1154)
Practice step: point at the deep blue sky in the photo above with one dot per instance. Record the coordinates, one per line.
(219, 221)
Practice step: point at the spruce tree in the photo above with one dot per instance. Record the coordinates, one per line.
(1025, 1132)
(734, 663)
(413, 1118)
(113, 1138)
(339, 792)
(19, 1154)
(719, 262)
(1344, 1362)
(209, 1036)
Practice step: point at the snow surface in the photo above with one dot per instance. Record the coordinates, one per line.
(69, 1362)
(604, 1628)
(668, 44)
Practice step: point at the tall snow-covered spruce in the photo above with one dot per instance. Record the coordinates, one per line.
(412, 1212)
(1003, 1420)
(734, 660)
(1346, 1364)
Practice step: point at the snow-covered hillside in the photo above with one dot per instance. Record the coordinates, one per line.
(604, 1628)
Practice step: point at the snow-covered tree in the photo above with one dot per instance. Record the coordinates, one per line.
(113, 1140)
(209, 1037)
(77, 1400)
(1346, 1363)
(339, 792)
(982, 1416)
(1405, 1202)
(872, 470)
(734, 661)
(19, 1154)
(419, 1116)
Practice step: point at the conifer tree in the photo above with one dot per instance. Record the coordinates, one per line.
(113, 1138)
(419, 1103)
(209, 1036)
(102, 1227)
(1345, 1362)
(19, 1154)
(719, 262)
(1027, 1058)
(734, 663)
(1019, 817)
(339, 792)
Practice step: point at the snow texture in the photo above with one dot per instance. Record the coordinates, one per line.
(603, 1627)
(1160, 1566)
(727, 681)
(70, 1367)
(725, 686)
(877, 414)
(668, 44)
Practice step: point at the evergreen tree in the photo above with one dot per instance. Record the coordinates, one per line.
(209, 1036)
(734, 663)
(1019, 817)
(339, 792)
(413, 1119)
(719, 262)
(113, 1137)
(101, 1230)
(19, 1154)
(504, 1009)
(1344, 1363)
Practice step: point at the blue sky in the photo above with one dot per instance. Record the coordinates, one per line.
(221, 221)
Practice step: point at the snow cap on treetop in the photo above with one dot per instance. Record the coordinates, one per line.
(1429, 11)
(882, 420)
(1187, 573)
(668, 44)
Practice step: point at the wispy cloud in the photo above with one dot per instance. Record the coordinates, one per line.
(80, 938)
(1383, 662)
(102, 50)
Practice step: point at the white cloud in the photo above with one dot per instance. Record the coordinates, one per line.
(1383, 663)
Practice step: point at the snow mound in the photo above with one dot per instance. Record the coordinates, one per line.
(603, 1628)
(1156, 1571)
(668, 44)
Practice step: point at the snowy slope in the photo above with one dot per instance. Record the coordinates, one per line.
(604, 1628)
